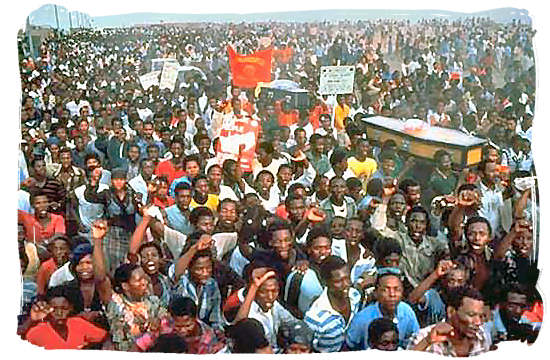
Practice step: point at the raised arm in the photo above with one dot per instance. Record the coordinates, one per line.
(99, 230)
(416, 296)
(259, 276)
(205, 242)
(139, 233)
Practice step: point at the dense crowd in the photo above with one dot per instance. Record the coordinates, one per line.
(136, 235)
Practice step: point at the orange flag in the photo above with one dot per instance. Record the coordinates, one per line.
(283, 55)
(249, 70)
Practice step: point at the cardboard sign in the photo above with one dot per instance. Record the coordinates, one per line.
(234, 133)
(149, 79)
(169, 76)
(336, 80)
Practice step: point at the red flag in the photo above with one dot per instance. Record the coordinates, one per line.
(249, 70)
(283, 55)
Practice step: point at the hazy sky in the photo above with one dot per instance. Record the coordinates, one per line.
(115, 7)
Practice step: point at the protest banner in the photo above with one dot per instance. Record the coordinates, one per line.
(169, 76)
(248, 70)
(336, 80)
(149, 79)
(234, 133)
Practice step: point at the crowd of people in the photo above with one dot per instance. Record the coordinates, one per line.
(136, 235)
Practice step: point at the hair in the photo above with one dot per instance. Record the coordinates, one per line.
(64, 149)
(419, 209)
(199, 212)
(464, 187)
(378, 327)
(212, 167)
(227, 201)
(317, 231)
(248, 335)
(282, 166)
(353, 182)
(182, 306)
(169, 343)
(292, 188)
(290, 198)
(198, 178)
(198, 137)
(385, 247)
(439, 154)
(78, 253)
(122, 275)
(330, 264)
(456, 296)
(381, 275)
(478, 219)
(375, 187)
(406, 183)
(177, 140)
(266, 146)
(279, 224)
(265, 172)
(149, 244)
(337, 156)
(89, 156)
(182, 186)
(190, 158)
(313, 138)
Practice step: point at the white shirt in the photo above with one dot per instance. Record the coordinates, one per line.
(346, 175)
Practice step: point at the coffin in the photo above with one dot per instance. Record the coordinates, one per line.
(465, 150)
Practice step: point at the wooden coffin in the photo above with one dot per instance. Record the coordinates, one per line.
(465, 150)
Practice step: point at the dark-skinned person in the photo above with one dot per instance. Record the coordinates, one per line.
(461, 334)
(214, 173)
(390, 305)
(466, 206)
(281, 253)
(264, 186)
(389, 217)
(121, 204)
(259, 302)
(339, 165)
(352, 250)
(420, 250)
(329, 316)
(173, 168)
(361, 164)
(42, 224)
(135, 316)
(383, 335)
(70, 176)
(150, 256)
(429, 298)
(338, 204)
(317, 156)
(193, 275)
(443, 181)
(158, 193)
(301, 217)
(78, 273)
(178, 214)
(199, 337)
(233, 185)
(191, 166)
(60, 248)
(509, 322)
(41, 182)
(295, 338)
(478, 254)
(302, 289)
(146, 174)
(201, 196)
(52, 323)
(513, 258)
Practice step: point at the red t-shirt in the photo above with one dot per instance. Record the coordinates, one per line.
(167, 169)
(47, 268)
(35, 231)
(80, 332)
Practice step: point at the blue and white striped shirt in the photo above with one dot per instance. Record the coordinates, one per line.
(328, 325)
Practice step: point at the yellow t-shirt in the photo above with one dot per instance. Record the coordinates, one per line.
(211, 203)
(362, 169)
(340, 112)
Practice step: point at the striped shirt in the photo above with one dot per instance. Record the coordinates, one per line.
(328, 325)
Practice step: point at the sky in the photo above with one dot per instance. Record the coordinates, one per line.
(10, 96)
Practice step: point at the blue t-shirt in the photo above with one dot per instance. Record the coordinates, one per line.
(433, 310)
(357, 334)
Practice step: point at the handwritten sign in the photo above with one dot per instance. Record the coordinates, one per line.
(169, 76)
(336, 80)
(149, 79)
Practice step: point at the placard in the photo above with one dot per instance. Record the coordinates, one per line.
(169, 76)
(149, 79)
(336, 80)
